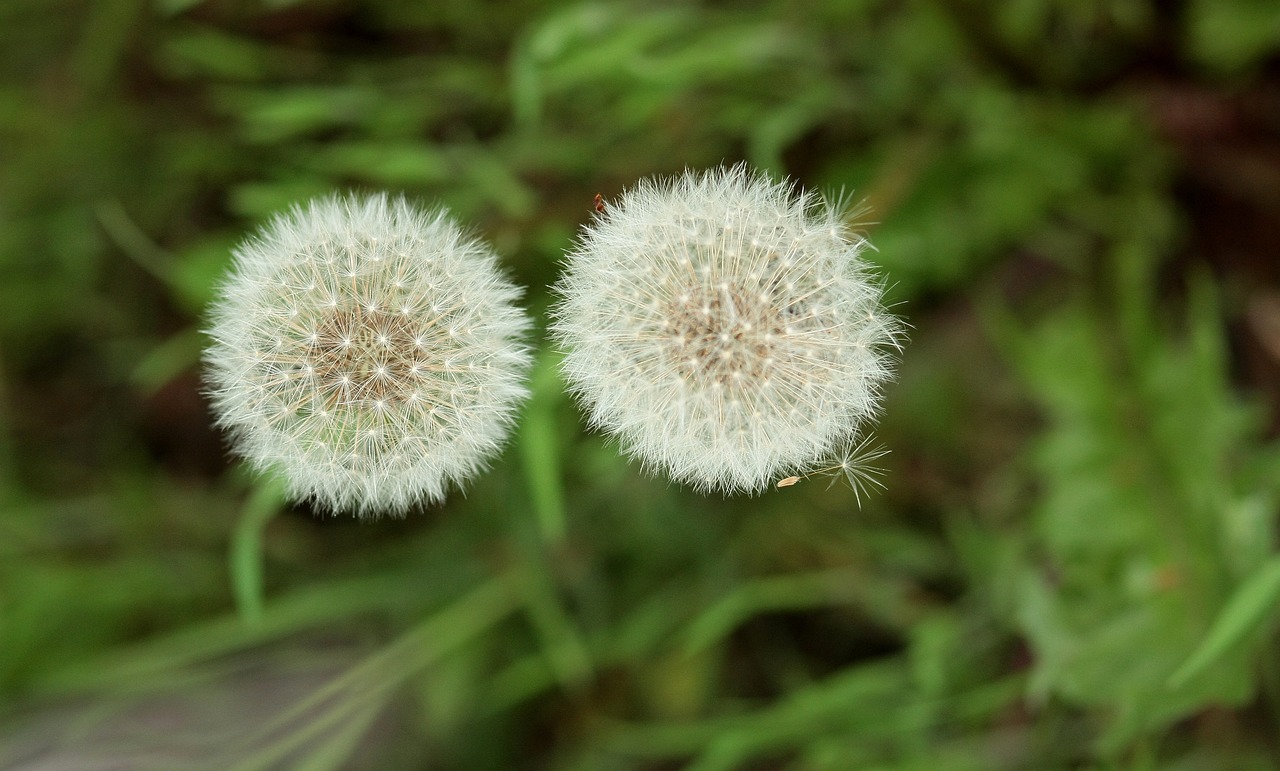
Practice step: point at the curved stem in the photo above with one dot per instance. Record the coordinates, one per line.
(264, 503)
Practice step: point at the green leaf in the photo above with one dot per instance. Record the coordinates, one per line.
(168, 360)
(386, 163)
(1247, 610)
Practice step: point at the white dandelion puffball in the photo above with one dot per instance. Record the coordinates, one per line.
(367, 351)
(724, 328)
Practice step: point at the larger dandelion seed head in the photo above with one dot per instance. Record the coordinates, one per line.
(367, 351)
(724, 328)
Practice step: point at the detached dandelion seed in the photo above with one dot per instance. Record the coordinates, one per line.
(855, 464)
(724, 328)
(367, 351)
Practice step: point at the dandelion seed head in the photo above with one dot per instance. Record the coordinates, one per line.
(334, 360)
(753, 298)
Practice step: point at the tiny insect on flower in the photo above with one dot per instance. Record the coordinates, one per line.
(367, 351)
(724, 328)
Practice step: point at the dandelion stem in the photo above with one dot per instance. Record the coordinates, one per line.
(246, 548)
(562, 644)
(563, 647)
(540, 452)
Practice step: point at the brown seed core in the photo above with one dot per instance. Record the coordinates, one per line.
(724, 334)
(369, 355)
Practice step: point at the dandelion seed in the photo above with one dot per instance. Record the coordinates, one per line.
(394, 407)
(745, 293)
(855, 466)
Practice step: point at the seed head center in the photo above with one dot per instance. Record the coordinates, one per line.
(722, 334)
(373, 356)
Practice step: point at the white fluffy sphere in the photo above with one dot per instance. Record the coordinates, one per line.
(724, 328)
(367, 351)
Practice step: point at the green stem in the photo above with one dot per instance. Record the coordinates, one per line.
(540, 452)
(562, 644)
(246, 548)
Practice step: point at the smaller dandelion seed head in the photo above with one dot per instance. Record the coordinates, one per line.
(720, 282)
(356, 275)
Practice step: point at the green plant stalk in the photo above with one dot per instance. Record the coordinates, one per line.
(540, 455)
(561, 642)
(263, 504)
(540, 452)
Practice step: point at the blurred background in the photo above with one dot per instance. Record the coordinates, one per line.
(1072, 565)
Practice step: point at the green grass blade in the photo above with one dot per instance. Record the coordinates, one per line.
(1247, 609)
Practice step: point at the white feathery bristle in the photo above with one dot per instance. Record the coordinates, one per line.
(724, 328)
(367, 351)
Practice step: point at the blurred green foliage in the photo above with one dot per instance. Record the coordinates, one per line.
(1074, 564)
